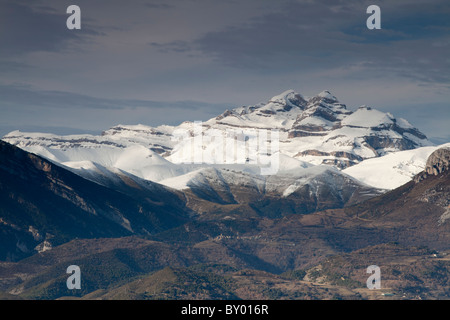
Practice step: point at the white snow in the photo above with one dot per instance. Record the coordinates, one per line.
(281, 98)
(180, 182)
(327, 95)
(129, 147)
(365, 117)
(404, 123)
(392, 170)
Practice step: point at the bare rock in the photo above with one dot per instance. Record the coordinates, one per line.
(438, 161)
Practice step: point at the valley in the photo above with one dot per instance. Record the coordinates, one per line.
(353, 189)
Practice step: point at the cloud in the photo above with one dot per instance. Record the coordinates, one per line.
(24, 108)
(325, 35)
(173, 46)
(130, 59)
(9, 67)
(159, 5)
(32, 28)
(22, 95)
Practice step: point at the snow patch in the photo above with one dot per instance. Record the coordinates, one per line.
(394, 169)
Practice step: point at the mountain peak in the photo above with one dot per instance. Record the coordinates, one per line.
(318, 129)
(327, 95)
(290, 98)
(282, 96)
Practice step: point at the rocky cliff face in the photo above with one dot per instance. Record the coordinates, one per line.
(43, 205)
(438, 162)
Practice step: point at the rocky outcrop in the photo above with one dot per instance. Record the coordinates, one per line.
(438, 161)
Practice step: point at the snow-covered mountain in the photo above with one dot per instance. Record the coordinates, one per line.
(394, 169)
(310, 131)
(321, 130)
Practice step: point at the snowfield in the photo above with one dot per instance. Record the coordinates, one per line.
(392, 170)
(314, 134)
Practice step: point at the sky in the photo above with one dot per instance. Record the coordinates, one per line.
(167, 61)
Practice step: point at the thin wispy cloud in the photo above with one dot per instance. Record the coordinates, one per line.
(35, 28)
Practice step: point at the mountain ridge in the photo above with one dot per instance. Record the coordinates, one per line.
(316, 130)
(44, 205)
(323, 255)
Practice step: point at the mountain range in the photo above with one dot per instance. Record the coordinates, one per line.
(312, 131)
(145, 221)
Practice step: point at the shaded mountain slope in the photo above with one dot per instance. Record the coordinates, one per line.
(420, 208)
(44, 204)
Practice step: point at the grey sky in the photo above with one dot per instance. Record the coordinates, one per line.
(163, 62)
